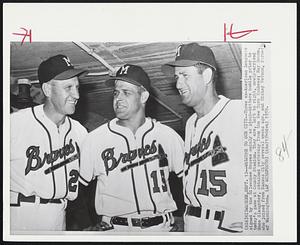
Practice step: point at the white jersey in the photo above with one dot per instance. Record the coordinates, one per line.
(214, 160)
(44, 159)
(132, 170)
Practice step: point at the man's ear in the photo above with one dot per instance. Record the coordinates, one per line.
(207, 75)
(46, 88)
(144, 96)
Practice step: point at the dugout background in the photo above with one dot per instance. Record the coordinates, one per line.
(95, 104)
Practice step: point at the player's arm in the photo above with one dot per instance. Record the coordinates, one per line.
(78, 210)
(16, 127)
(176, 153)
(87, 161)
(91, 166)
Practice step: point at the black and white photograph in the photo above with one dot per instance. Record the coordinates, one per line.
(141, 138)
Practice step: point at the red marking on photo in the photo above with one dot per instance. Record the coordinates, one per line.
(27, 33)
(236, 34)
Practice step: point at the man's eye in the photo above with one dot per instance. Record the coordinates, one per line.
(115, 93)
(176, 77)
(68, 88)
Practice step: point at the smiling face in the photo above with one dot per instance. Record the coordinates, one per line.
(127, 100)
(190, 84)
(64, 95)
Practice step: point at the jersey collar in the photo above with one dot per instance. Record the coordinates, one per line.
(39, 110)
(126, 131)
(220, 104)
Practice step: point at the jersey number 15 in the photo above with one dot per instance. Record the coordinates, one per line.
(216, 179)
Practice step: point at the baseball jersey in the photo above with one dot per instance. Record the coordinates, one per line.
(213, 161)
(44, 158)
(132, 169)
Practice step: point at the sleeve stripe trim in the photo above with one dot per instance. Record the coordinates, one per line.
(83, 181)
(179, 173)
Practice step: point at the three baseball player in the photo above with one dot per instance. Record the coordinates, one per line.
(213, 164)
(131, 156)
(45, 143)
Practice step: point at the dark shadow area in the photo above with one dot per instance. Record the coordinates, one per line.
(81, 212)
(177, 193)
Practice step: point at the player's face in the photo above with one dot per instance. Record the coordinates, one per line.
(190, 85)
(64, 95)
(127, 100)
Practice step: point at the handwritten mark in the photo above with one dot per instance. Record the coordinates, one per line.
(282, 151)
(26, 34)
(236, 34)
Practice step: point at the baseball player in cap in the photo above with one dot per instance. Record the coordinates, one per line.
(213, 163)
(131, 156)
(44, 156)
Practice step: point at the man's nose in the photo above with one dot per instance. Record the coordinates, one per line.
(75, 93)
(179, 83)
(119, 96)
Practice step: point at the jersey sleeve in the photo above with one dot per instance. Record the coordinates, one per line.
(82, 133)
(91, 163)
(16, 129)
(87, 161)
(176, 151)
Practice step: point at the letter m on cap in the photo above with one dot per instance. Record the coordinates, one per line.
(67, 60)
(124, 69)
(178, 51)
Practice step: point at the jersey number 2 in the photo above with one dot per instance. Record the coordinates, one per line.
(73, 180)
(213, 179)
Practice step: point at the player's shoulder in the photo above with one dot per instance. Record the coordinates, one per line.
(191, 119)
(235, 104)
(99, 131)
(22, 115)
(163, 129)
(77, 124)
(22, 112)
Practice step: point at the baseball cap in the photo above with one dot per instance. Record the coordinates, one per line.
(58, 67)
(131, 74)
(189, 55)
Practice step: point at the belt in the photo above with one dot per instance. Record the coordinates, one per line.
(197, 212)
(142, 222)
(218, 216)
(22, 198)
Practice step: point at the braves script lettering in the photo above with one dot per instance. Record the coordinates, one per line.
(111, 162)
(218, 152)
(201, 146)
(35, 162)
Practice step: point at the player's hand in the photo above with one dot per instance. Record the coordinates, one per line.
(178, 225)
(102, 226)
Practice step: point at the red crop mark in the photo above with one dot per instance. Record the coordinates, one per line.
(236, 34)
(26, 34)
